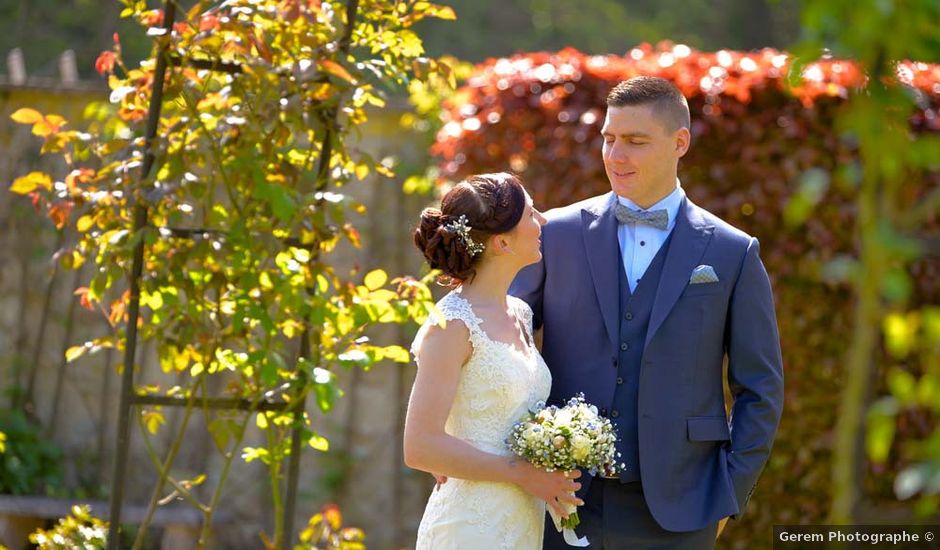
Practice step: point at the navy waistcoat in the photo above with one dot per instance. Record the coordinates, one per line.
(635, 311)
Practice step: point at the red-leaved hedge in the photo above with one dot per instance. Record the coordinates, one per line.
(754, 139)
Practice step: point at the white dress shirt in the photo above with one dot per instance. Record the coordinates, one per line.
(640, 243)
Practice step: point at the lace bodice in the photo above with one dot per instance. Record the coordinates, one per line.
(498, 384)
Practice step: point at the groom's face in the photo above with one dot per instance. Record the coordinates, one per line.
(640, 153)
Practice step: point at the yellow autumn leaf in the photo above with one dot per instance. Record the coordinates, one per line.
(291, 328)
(361, 171)
(443, 12)
(397, 354)
(77, 259)
(376, 279)
(265, 280)
(75, 352)
(84, 223)
(26, 116)
(55, 120)
(28, 183)
(382, 295)
(153, 420)
(319, 443)
(155, 300)
(44, 128)
(333, 517)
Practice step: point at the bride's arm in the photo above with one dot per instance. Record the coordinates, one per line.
(441, 355)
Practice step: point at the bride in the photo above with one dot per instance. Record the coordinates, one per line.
(478, 373)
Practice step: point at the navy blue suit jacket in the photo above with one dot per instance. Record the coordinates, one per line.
(696, 466)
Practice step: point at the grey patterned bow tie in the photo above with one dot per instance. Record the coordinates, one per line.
(655, 218)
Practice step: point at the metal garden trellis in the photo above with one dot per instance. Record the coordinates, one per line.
(130, 398)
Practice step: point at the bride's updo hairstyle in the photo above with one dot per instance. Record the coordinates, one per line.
(453, 238)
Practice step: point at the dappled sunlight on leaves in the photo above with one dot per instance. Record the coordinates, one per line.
(245, 202)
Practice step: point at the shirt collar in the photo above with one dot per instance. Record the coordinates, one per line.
(670, 203)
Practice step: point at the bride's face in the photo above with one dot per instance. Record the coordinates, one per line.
(526, 236)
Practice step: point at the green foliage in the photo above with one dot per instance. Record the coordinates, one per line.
(484, 28)
(893, 232)
(29, 463)
(493, 28)
(43, 29)
(240, 170)
(245, 203)
(856, 29)
(79, 529)
(425, 122)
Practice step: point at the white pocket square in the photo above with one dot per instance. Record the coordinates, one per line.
(703, 274)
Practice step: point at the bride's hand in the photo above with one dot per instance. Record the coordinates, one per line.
(555, 488)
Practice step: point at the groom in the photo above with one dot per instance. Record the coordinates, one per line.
(640, 296)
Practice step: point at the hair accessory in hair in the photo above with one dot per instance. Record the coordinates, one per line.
(461, 228)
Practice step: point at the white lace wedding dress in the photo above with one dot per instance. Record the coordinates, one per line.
(497, 386)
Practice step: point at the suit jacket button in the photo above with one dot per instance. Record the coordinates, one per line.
(614, 413)
(619, 380)
(624, 346)
(628, 316)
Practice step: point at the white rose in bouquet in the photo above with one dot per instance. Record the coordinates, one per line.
(565, 438)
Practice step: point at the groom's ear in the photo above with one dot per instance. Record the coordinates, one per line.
(683, 139)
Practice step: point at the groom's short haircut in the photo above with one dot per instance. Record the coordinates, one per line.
(669, 105)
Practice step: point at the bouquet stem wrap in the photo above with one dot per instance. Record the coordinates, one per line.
(566, 526)
(566, 438)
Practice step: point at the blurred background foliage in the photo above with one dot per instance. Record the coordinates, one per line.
(484, 28)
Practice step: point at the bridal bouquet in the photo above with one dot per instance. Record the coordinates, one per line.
(565, 438)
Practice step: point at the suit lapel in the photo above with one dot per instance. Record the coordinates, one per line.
(691, 235)
(599, 229)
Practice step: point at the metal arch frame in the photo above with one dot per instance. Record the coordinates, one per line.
(131, 398)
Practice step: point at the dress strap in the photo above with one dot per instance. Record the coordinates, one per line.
(524, 313)
(454, 307)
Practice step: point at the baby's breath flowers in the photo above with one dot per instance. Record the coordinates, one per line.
(565, 438)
